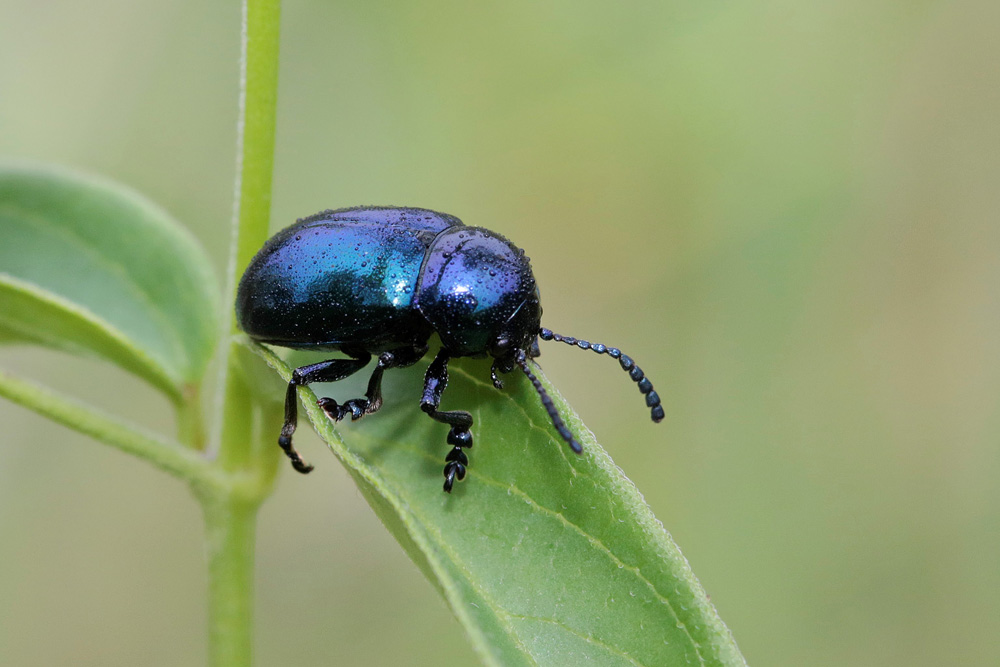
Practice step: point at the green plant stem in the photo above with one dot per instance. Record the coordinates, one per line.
(230, 527)
(255, 135)
(229, 523)
(252, 205)
(169, 456)
(190, 422)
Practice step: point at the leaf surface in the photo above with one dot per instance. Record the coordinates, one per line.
(546, 557)
(93, 268)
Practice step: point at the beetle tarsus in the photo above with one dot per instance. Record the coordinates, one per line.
(460, 437)
(453, 470)
(285, 442)
(333, 410)
(456, 461)
(497, 366)
(456, 454)
(358, 408)
(372, 401)
(288, 428)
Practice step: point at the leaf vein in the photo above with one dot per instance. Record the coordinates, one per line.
(587, 638)
(460, 565)
(595, 541)
(535, 506)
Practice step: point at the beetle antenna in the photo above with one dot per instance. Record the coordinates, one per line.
(629, 366)
(550, 407)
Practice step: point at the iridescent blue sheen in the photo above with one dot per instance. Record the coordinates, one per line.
(368, 280)
(340, 279)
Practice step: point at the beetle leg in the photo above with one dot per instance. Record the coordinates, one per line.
(505, 366)
(325, 371)
(497, 382)
(460, 421)
(359, 407)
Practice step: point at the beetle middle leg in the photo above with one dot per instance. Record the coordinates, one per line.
(325, 371)
(460, 421)
(372, 401)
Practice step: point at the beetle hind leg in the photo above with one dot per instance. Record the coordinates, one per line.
(460, 435)
(325, 371)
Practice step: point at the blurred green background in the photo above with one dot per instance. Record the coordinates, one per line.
(786, 210)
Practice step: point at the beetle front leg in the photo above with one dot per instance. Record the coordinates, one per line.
(503, 366)
(460, 421)
(325, 371)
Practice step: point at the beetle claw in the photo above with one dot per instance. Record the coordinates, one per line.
(453, 470)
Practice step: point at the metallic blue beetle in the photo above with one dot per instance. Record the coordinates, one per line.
(380, 281)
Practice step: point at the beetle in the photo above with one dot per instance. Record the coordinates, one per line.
(380, 281)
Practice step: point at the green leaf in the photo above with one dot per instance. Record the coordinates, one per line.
(93, 268)
(546, 557)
